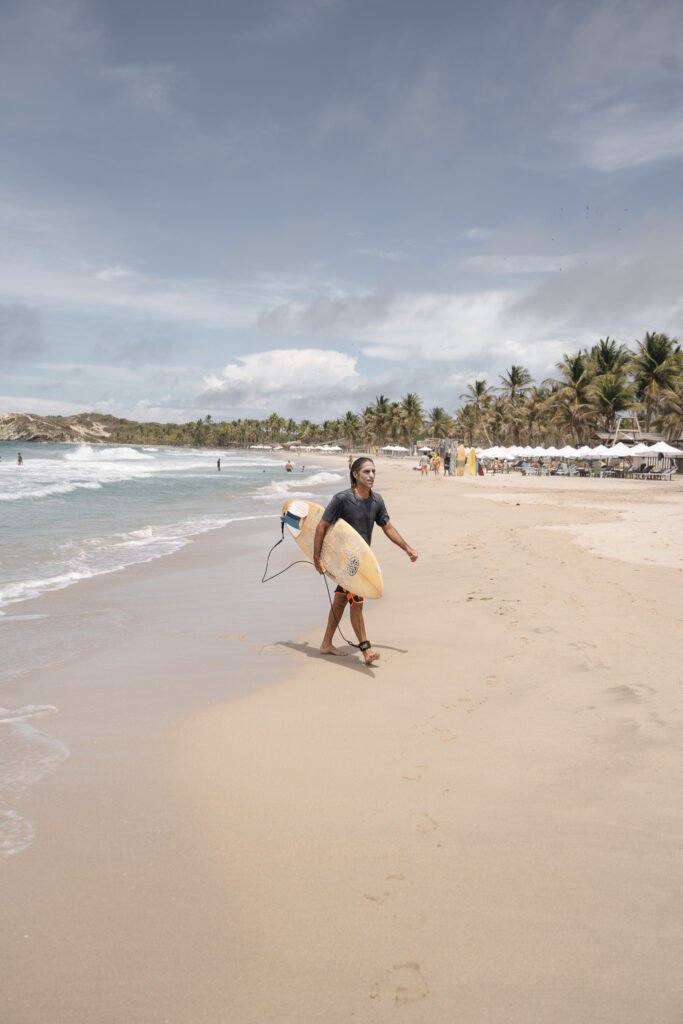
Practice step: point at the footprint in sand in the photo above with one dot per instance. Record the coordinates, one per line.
(425, 822)
(446, 735)
(379, 898)
(401, 985)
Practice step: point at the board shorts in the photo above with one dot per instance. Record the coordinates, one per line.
(351, 598)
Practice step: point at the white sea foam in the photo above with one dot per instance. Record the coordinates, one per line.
(16, 833)
(295, 486)
(98, 556)
(26, 755)
(86, 453)
(29, 711)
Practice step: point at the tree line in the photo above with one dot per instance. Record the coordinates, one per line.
(589, 389)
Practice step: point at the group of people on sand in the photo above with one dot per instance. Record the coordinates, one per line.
(433, 461)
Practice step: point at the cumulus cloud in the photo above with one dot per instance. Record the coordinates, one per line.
(21, 337)
(282, 378)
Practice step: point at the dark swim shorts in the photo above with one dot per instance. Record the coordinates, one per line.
(351, 598)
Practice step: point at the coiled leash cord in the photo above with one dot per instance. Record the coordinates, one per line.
(365, 644)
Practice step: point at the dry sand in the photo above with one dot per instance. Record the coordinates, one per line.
(485, 828)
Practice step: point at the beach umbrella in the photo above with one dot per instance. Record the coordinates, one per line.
(552, 451)
(640, 449)
(600, 452)
(584, 452)
(568, 452)
(620, 450)
(662, 448)
(538, 452)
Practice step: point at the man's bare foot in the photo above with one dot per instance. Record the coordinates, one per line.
(329, 649)
(370, 656)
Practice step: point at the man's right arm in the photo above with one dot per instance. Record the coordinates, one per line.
(320, 531)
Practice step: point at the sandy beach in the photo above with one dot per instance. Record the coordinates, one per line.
(486, 827)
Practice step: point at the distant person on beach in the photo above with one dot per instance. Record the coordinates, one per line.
(361, 508)
(447, 464)
(20, 461)
(424, 464)
(289, 466)
(302, 468)
(436, 463)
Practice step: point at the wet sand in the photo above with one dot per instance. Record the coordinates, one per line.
(486, 827)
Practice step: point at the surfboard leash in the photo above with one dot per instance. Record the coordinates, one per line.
(364, 644)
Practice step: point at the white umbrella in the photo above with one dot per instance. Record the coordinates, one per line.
(620, 450)
(568, 452)
(584, 452)
(400, 448)
(640, 449)
(662, 448)
(601, 452)
(552, 451)
(335, 448)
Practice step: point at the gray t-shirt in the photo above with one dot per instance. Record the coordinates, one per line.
(360, 513)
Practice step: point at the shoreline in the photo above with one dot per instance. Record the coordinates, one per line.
(356, 843)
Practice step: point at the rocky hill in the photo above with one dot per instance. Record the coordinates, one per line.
(89, 428)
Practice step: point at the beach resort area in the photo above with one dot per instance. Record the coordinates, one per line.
(206, 821)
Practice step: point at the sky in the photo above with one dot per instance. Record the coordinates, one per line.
(236, 207)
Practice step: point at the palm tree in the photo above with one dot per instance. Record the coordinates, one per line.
(351, 426)
(571, 394)
(439, 423)
(671, 417)
(611, 392)
(515, 384)
(467, 422)
(412, 415)
(377, 417)
(608, 356)
(479, 395)
(657, 367)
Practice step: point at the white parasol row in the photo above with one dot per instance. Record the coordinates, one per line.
(617, 451)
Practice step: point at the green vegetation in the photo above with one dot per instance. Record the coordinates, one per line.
(591, 387)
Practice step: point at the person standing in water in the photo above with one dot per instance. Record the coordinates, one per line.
(20, 461)
(361, 508)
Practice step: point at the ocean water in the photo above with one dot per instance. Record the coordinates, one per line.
(71, 512)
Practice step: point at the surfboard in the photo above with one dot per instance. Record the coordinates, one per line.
(460, 461)
(472, 462)
(349, 561)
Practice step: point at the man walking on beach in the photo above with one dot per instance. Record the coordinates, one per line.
(361, 508)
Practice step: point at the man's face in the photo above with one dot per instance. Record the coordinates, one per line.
(365, 476)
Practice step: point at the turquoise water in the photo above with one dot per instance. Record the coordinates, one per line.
(75, 511)
(71, 512)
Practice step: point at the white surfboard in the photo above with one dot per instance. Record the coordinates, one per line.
(349, 561)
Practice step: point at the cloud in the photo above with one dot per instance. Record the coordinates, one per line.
(146, 352)
(291, 19)
(145, 86)
(40, 406)
(629, 135)
(282, 377)
(392, 256)
(21, 337)
(617, 290)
